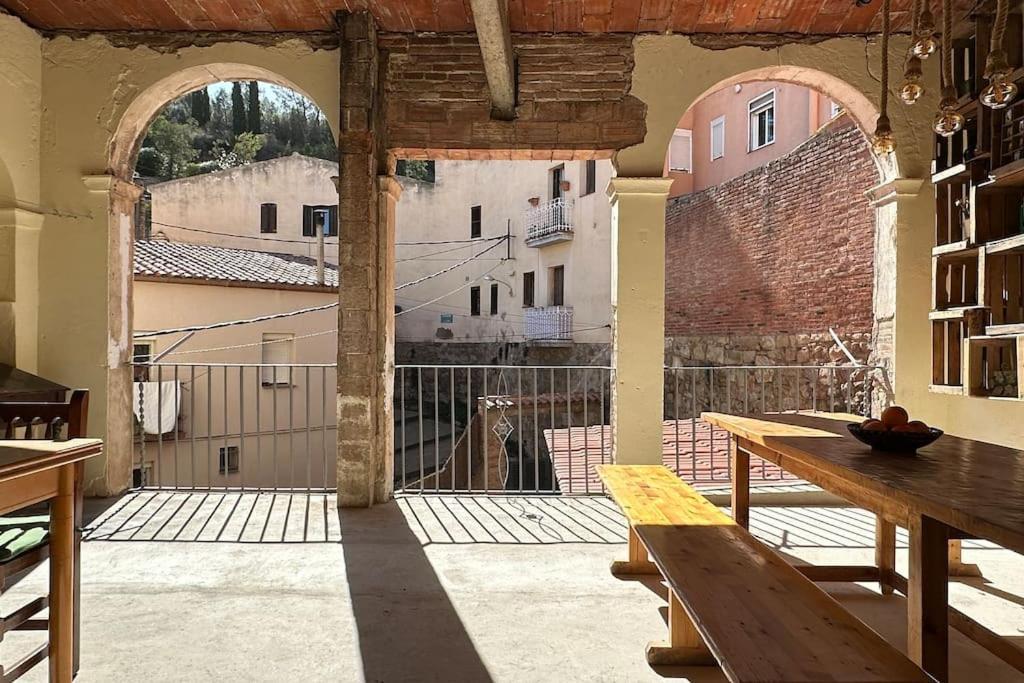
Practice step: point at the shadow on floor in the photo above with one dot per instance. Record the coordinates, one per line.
(408, 628)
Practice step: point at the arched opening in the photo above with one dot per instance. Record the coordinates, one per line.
(239, 220)
(770, 254)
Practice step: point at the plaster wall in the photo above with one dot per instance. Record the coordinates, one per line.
(441, 211)
(96, 93)
(228, 202)
(21, 70)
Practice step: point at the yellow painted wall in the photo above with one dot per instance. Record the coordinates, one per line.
(20, 221)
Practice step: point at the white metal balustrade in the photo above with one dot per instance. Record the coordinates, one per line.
(549, 222)
(549, 324)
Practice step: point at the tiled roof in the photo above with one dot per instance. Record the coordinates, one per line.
(180, 260)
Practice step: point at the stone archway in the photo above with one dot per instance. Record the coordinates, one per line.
(116, 188)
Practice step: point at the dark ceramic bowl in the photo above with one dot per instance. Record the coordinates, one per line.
(894, 442)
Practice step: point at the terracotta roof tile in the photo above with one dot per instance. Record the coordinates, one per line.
(181, 260)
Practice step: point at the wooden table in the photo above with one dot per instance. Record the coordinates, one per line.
(955, 488)
(36, 471)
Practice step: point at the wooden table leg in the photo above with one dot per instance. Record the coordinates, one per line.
(928, 597)
(885, 553)
(956, 562)
(740, 461)
(62, 559)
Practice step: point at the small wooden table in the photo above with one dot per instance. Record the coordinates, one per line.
(955, 488)
(35, 471)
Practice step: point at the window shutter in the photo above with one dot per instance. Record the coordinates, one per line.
(332, 229)
(307, 221)
(680, 152)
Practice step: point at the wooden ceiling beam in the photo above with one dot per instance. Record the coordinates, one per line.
(492, 30)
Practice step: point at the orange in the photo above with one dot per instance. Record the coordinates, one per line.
(894, 416)
(872, 426)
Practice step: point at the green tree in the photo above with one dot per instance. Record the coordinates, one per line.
(244, 151)
(255, 125)
(199, 105)
(239, 121)
(173, 142)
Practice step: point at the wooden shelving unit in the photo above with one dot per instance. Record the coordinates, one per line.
(977, 317)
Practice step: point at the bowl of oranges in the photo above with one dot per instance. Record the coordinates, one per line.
(894, 432)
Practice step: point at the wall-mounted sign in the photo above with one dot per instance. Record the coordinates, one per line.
(447, 318)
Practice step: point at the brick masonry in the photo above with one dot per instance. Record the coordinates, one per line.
(574, 100)
(758, 268)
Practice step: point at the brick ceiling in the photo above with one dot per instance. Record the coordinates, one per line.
(573, 16)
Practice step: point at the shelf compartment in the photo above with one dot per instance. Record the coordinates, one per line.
(993, 365)
(949, 330)
(955, 280)
(1003, 288)
(997, 213)
(952, 211)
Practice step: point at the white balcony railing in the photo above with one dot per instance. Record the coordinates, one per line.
(550, 221)
(551, 324)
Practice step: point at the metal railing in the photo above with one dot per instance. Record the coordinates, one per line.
(549, 324)
(235, 426)
(490, 428)
(699, 452)
(458, 428)
(550, 219)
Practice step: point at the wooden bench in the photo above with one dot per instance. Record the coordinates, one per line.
(735, 601)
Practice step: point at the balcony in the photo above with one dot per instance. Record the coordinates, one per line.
(551, 325)
(549, 222)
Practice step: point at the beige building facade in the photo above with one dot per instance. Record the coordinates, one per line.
(275, 203)
(534, 241)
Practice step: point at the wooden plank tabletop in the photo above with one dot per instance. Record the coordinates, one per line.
(20, 457)
(970, 485)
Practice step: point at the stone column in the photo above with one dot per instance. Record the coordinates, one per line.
(638, 312)
(115, 409)
(367, 194)
(19, 287)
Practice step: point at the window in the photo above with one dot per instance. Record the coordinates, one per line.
(557, 289)
(320, 216)
(142, 355)
(680, 151)
(762, 120)
(278, 348)
(834, 109)
(589, 177)
(475, 221)
(474, 301)
(268, 218)
(228, 459)
(494, 299)
(528, 290)
(557, 176)
(718, 138)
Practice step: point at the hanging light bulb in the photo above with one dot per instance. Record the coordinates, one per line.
(883, 141)
(1001, 90)
(925, 45)
(913, 87)
(948, 121)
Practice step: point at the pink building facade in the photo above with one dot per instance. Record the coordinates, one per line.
(739, 128)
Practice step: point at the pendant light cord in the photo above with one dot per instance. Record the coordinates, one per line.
(883, 101)
(999, 26)
(947, 43)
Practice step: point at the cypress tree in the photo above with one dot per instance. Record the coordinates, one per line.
(199, 102)
(239, 121)
(255, 124)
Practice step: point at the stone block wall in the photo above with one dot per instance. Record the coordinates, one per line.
(777, 255)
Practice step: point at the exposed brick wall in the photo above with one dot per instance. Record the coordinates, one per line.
(574, 100)
(784, 249)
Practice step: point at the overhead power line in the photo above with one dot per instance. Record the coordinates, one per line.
(449, 268)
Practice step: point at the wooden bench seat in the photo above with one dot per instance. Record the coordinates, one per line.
(735, 601)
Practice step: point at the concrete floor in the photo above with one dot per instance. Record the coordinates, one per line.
(180, 587)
